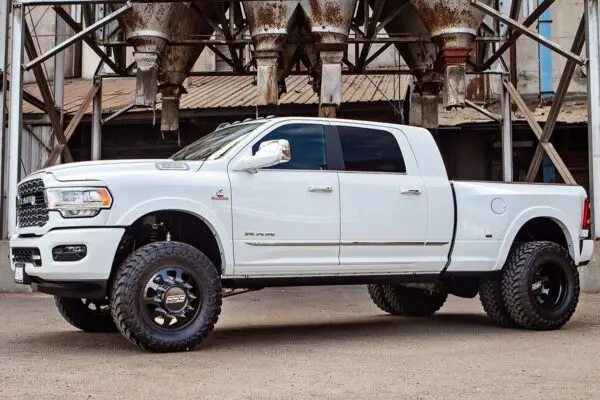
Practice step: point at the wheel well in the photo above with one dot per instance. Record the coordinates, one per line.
(173, 225)
(541, 228)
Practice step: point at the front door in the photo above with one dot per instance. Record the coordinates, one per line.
(383, 205)
(286, 217)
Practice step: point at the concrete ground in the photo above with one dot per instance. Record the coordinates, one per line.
(305, 343)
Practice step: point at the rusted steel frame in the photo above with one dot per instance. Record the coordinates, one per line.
(515, 35)
(483, 111)
(559, 98)
(515, 7)
(527, 32)
(370, 32)
(348, 63)
(377, 53)
(42, 83)
(356, 29)
(117, 113)
(537, 130)
(34, 101)
(403, 71)
(78, 36)
(76, 27)
(390, 17)
(72, 126)
(227, 32)
(223, 56)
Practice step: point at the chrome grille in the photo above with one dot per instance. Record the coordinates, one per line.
(31, 204)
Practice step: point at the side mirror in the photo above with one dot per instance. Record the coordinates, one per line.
(269, 153)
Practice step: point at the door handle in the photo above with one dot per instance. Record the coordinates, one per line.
(411, 192)
(320, 189)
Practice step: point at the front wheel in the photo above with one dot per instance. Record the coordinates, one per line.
(540, 286)
(85, 314)
(166, 297)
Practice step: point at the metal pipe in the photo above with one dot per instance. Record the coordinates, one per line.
(4, 11)
(59, 68)
(507, 159)
(593, 84)
(97, 121)
(546, 70)
(15, 117)
(78, 36)
(117, 113)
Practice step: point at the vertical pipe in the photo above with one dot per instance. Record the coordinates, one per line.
(59, 67)
(15, 116)
(593, 85)
(507, 148)
(97, 121)
(4, 8)
(545, 56)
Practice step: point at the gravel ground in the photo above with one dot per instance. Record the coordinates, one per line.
(305, 343)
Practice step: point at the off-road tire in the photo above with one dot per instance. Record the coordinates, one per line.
(377, 294)
(130, 280)
(490, 296)
(517, 283)
(415, 302)
(79, 313)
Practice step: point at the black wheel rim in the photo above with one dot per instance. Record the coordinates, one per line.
(100, 307)
(171, 298)
(549, 287)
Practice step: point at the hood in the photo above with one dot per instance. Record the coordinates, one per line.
(96, 170)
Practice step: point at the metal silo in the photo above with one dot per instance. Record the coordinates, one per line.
(269, 23)
(329, 22)
(453, 25)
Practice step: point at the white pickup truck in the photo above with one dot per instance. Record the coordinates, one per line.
(149, 246)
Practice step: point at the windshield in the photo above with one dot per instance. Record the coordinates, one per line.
(215, 144)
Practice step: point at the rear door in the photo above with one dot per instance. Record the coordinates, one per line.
(383, 204)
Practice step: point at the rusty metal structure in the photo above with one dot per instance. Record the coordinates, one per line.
(444, 43)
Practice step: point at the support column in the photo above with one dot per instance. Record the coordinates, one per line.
(507, 148)
(4, 11)
(15, 114)
(590, 276)
(97, 121)
(266, 78)
(331, 83)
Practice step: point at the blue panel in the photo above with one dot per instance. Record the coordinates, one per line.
(548, 171)
(545, 55)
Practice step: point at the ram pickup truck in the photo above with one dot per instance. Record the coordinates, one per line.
(150, 247)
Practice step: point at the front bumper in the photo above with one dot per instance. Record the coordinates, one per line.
(96, 266)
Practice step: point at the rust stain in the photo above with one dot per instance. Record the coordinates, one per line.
(438, 14)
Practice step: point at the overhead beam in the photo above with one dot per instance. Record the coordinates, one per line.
(390, 17)
(559, 98)
(483, 111)
(34, 101)
(526, 31)
(77, 28)
(78, 36)
(537, 130)
(49, 104)
(370, 32)
(515, 35)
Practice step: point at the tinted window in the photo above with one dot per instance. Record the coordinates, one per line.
(370, 150)
(307, 144)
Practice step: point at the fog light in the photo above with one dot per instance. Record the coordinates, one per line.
(69, 252)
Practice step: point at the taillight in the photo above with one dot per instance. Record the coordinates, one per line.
(585, 222)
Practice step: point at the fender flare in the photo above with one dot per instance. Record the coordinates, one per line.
(523, 218)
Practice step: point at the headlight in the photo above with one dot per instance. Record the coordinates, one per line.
(78, 202)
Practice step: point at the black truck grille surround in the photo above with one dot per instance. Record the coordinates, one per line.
(29, 255)
(31, 204)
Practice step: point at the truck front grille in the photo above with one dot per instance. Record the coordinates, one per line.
(31, 204)
(29, 255)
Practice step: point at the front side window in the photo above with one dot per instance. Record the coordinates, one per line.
(370, 150)
(307, 145)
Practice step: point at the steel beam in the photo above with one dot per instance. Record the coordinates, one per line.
(592, 11)
(4, 11)
(59, 67)
(515, 35)
(537, 130)
(483, 111)
(78, 36)
(117, 113)
(507, 146)
(97, 120)
(76, 27)
(559, 98)
(42, 83)
(526, 31)
(34, 101)
(370, 31)
(15, 117)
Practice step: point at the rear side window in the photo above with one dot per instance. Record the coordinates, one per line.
(370, 150)
(307, 145)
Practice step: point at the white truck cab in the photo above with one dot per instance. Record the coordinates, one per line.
(148, 246)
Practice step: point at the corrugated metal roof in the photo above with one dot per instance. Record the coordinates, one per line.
(229, 91)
